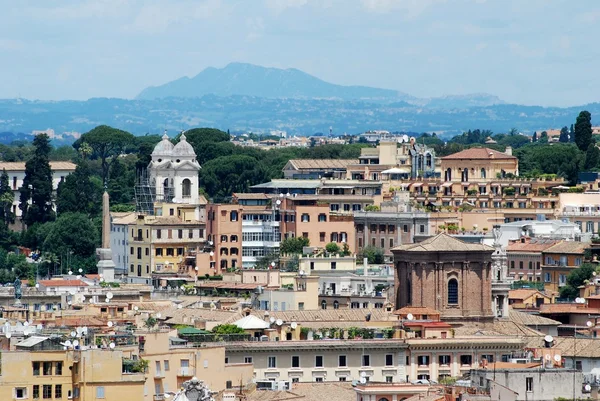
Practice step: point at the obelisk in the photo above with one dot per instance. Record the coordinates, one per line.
(106, 266)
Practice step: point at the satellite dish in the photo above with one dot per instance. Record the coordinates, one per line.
(302, 273)
(548, 338)
(76, 343)
(8, 335)
(135, 308)
(109, 324)
(101, 279)
(158, 315)
(279, 322)
(167, 395)
(101, 275)
(26, 323)
(78, 276)
(294, 325)
(589, 324)
(80, 270)
(70, 273)
(73, 334)
(68, 343)
(588, 388)
(363, 374)
(37, 286)
(196, 268)
(278, 202)
(410, 316)
(107, 300)
(548, 357)
(84, 330)
(112, 345)
(272, 319)
(557, 358)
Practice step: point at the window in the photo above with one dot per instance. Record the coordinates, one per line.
(20, 393)
(319, 361)
(36, 391)
(247, 359)
(319, 379)
(322, 236)
(180, 233)
(444, 359)
(488, 357)
(305, 218)
(185, 363)
(233, 216)
(391, 242)
(47, 368)
(322, 218)
(159, 252)
(100, 392)
(405, 228)
(323, 304)
(158, 233)
(58, 369)
(147, 251)
(333, 265)
(452, 291)
(36, 368)
(300, 305)
(47, 391)
(423, 360)
(389, 360)
(58, 391)
(529, 384)
(342, 378)
(342, 361)
(383, 243)
(521, 265)
(272, 362)
(366, 360)
(466, 360)
(295, 361)
(512, 264)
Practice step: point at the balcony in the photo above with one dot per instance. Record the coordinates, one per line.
(185, 372)
(159, 374)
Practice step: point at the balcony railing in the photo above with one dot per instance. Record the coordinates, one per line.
(185, 372)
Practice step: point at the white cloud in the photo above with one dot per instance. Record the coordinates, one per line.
(279, 6)
(410, 8)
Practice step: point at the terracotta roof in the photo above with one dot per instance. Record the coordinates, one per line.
(568, 308)
(62, 283)
(523, 294)
(478, 153)
(510, 365)
(444, 243)
(322, 163)
(575, 247)
(416, 310)
(170, 221)
(239, 195)
(532, 245)
(442, 325)
(20, 166)
(342, 391)
(529, 319)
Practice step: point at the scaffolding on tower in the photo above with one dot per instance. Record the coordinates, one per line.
(146, 195)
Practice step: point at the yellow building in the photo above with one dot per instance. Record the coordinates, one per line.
(169, 366)
(78, 375)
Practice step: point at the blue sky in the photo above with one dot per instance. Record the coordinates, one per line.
(524, 51)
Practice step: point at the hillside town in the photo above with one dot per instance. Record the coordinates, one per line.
(395, 274)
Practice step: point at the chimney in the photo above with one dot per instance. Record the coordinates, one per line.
(508, 151)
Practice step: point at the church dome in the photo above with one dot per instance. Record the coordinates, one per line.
(183, 148)
(164, 147)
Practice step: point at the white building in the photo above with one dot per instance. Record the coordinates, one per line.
(119, 240)
(553, 229)
(16, 175)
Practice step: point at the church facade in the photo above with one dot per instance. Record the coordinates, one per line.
(446, 274)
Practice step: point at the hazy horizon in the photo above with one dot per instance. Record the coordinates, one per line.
(535, 52)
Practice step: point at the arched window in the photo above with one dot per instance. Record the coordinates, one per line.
(448, 175)
(234, 238)
(223, 264)
(452, 292)
(323, 304)
(465, 175)
(186, 187)
(233, 216)
(224, 251)
(233, 251)
(482, 173)
(428, 160)
(336, 305)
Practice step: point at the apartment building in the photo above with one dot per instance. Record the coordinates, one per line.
(559, 260)
(67, 374)
(224, 228)
(582, 209)
(524, 257)
(119, 240)
(171, 365)
(323, 360)
(16, 175)
(302, 169)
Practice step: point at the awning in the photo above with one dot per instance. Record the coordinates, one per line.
(447, 184)
(396, 170)
(416, 184)
(482, 184)
(515, 184)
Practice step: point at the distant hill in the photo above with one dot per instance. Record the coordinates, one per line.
(253, 80)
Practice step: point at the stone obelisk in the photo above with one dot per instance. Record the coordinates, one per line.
(106, 266)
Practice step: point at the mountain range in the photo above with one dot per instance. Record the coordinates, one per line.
(248, 98)
(252, 80)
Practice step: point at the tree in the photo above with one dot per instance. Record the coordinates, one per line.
(373, 254)
(592, 157)
(78, 193)
(583, 130)
(332, 247)
(575, 279)
(106, 143)
(564, 135)
(227, 329)
(534, 138)
(6, 199)
(72, 232)
(293, 245)
(37, 184)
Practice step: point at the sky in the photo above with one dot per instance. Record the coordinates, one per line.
(542, 52)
